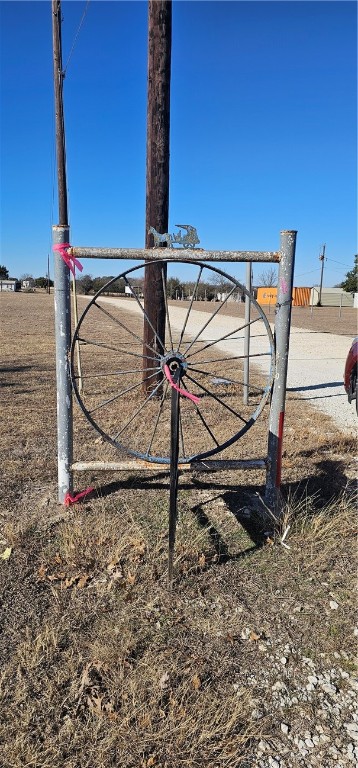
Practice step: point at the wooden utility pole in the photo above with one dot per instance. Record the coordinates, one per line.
(157, 170)
(321, 258)
(59, 116)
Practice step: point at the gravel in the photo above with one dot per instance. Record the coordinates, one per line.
(320, 722)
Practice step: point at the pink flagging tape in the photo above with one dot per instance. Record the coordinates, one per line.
(72, 263)
(68, 500)
(183, 392)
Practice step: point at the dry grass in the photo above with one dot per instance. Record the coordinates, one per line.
(102, 665)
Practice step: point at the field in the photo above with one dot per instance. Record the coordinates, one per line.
(247, 661)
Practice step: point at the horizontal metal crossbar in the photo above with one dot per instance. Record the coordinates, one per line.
(197, 466)
(172, 254)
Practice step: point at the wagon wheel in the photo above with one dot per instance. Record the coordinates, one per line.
(203, 349)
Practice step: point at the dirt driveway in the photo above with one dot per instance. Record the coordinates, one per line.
(316, 359)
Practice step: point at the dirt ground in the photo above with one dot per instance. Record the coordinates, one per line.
(102, 665)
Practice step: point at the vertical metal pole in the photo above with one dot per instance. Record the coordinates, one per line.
(63, 344)
(321, 258)
(48, 289)
(247, 333)
(174, 457)
(75, 318)
(62, 278)
(282, 335)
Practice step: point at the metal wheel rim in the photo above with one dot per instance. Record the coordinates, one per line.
(194, 456)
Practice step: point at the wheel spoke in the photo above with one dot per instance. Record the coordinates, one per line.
(229, 381)
(218, 399)
(138, 411)
(166, 385)
(114, 373)
(121, 325)
(210, 319)
(201, 417)
(222, 338)
(181, 434)
(166, 308)
(233, 357)
(146, 318)
(189, 309)
(115, 349)
(124, 392)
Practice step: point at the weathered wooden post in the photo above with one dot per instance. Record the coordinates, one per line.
(157, 170)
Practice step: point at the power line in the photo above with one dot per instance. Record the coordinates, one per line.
(75, 38)
(307, 273)
(338, 262)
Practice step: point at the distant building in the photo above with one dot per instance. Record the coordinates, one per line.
(10, 284)
(133, 290)
(28, 284)
(300, 296)
(332, 297)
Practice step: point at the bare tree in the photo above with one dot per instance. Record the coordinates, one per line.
(268, 278)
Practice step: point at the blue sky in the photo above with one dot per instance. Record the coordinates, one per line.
(263, 129)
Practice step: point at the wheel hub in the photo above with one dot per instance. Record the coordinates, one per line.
(174, 360)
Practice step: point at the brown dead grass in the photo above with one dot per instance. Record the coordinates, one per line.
(101, 664)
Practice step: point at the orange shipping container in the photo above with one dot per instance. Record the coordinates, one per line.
(268, 296)
(301, 297)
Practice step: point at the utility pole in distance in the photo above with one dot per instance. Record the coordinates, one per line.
(157, 170)
(321, 258)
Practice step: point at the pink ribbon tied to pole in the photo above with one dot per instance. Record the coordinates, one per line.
(183, 392)
(68, 500)
(71, 261)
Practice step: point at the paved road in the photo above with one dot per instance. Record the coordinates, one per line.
(316, 361)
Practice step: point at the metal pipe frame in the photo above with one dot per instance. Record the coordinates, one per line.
(282, 339)
(211, 465)
(285, 258)
(247, 334)
(63, 347)
(152, 254)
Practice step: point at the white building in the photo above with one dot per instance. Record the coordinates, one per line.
(331, 297)
(28, 284)
(9, 284)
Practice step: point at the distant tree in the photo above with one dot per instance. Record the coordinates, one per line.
(220, 286)
(26, 276)
(4, 273)
(268, 278)
(206, 292)
(41, 282)
(174, 287)
(350, 284)
(99, 282)
(119, 285)
(84, 284)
